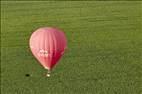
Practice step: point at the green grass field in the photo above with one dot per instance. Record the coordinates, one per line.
(104, 47)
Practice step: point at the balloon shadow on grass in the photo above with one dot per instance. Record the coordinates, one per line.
(27, 75)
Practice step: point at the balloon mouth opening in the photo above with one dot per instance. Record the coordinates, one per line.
(47, 68)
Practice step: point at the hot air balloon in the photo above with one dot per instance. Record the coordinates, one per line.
(48, 44)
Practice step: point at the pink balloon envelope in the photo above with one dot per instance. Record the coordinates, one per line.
(48, 45)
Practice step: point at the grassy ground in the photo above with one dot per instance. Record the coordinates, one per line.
(104, 41)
